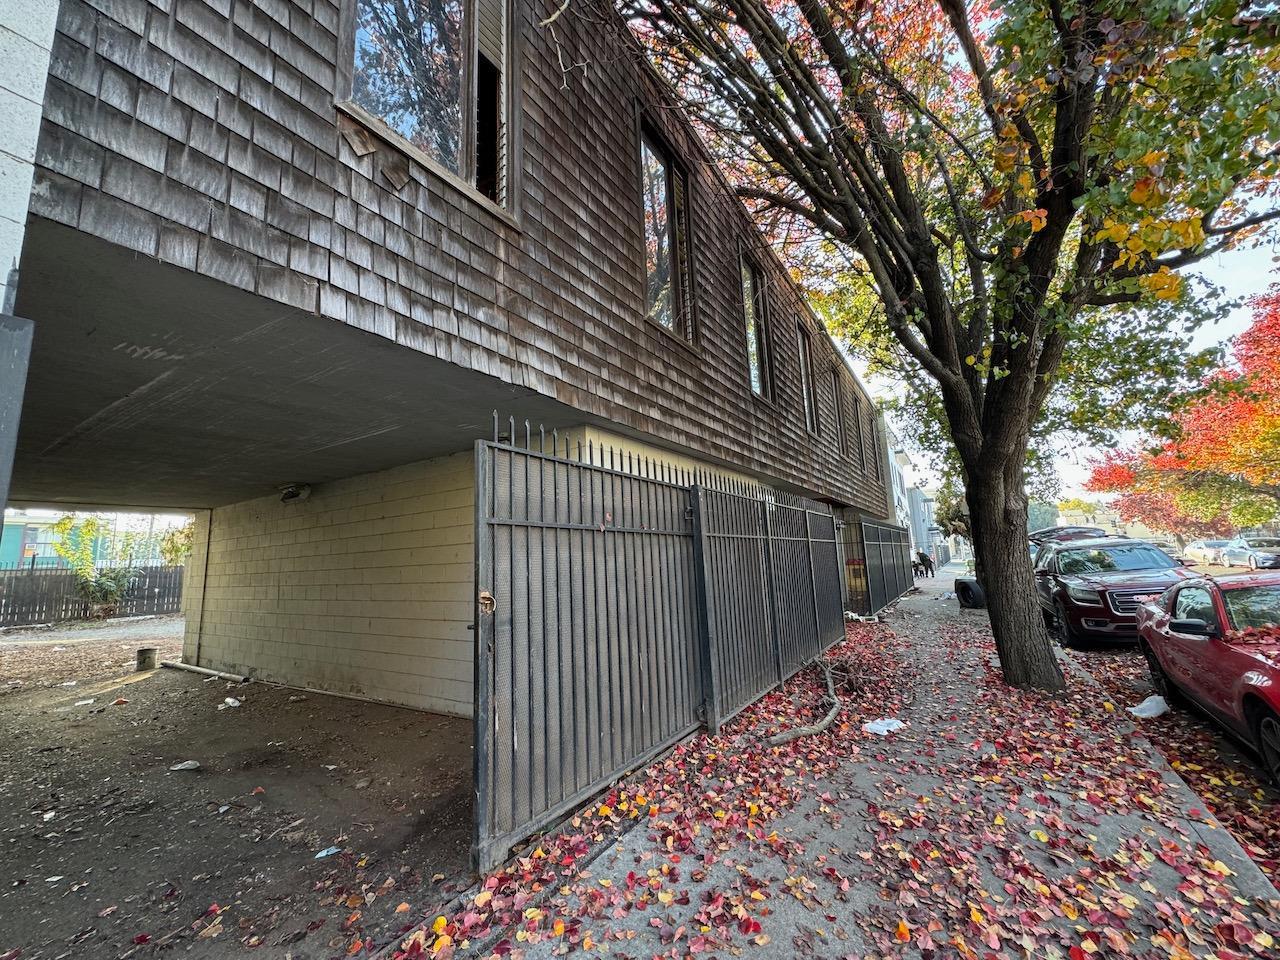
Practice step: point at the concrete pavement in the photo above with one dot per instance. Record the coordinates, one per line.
(997, 823)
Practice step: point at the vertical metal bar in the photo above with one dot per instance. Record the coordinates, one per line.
(813, 583)
(707, 644)
(658, 689)
(548, 764)
(484, 724)
(590, 657)
(771, 583)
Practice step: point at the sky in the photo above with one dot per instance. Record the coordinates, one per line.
(1240, 274)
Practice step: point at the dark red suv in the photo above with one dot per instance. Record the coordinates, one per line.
(1091, 589)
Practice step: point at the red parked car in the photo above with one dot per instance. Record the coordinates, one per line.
(1091, 589)
(1216, 641)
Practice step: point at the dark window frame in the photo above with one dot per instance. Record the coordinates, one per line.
(679, 233)
(837, 397)
(808, 388)
(748, 266)
(508, 207)
(858, 431)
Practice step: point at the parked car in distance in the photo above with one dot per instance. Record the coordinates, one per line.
(1204, 551)
(1091, 589)
(1256, 553)
(1192, 639)
(1168, 546)
(1047, 534)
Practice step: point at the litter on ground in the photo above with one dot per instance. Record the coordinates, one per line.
(1153, 706)
(883, 726)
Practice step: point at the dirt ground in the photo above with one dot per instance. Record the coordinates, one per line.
(66, 654)
(107, 852)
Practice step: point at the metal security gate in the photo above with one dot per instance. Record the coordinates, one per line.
(888, 565)
(621, 603)
(588, 645)
(771, 587)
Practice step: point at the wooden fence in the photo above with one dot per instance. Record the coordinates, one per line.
(46, 596)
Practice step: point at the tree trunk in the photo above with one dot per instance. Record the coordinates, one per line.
(998, 517)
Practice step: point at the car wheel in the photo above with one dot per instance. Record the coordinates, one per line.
(1160, 681)
(1267, 735)
(1068, 636)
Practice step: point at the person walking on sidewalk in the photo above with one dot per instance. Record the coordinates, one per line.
(925, 561)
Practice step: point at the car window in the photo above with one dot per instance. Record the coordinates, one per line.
(1043, 556)
(1263, 543)
(1194, 603)
(1215, 543)
(1252, 606)
(1129, 556)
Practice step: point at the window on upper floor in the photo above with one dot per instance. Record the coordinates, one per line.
(837, 395)
(754, 314)
(434, 74)
(808, 394)
(857, 432)
(667, 290)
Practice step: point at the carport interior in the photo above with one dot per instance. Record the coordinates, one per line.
(152, 387)
(124, 846)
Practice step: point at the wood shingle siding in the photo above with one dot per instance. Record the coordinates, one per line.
(205, 133)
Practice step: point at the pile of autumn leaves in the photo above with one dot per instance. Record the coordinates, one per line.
(1233, 787)
(721, 789)
(1006, 784)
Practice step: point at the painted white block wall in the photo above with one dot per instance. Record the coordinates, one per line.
(26, 36)
(366, 588)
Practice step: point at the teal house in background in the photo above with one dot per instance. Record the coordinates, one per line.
(28, 541)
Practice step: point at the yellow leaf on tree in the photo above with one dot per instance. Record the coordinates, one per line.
(1146, 192)
(1112, 232)
(1163, 284)
(1037, 218)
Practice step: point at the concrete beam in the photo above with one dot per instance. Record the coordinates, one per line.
(15, 349)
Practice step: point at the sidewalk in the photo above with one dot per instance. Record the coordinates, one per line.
(996, 824)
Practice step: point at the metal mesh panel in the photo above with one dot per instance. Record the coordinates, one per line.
(771, 567)
(734, 553)
(888, 563)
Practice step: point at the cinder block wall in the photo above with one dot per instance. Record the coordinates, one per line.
(365, 588)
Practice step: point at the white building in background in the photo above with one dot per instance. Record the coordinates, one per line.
(898, 462)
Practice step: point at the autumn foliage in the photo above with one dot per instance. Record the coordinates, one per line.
(997, 179)
(1223, 463)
